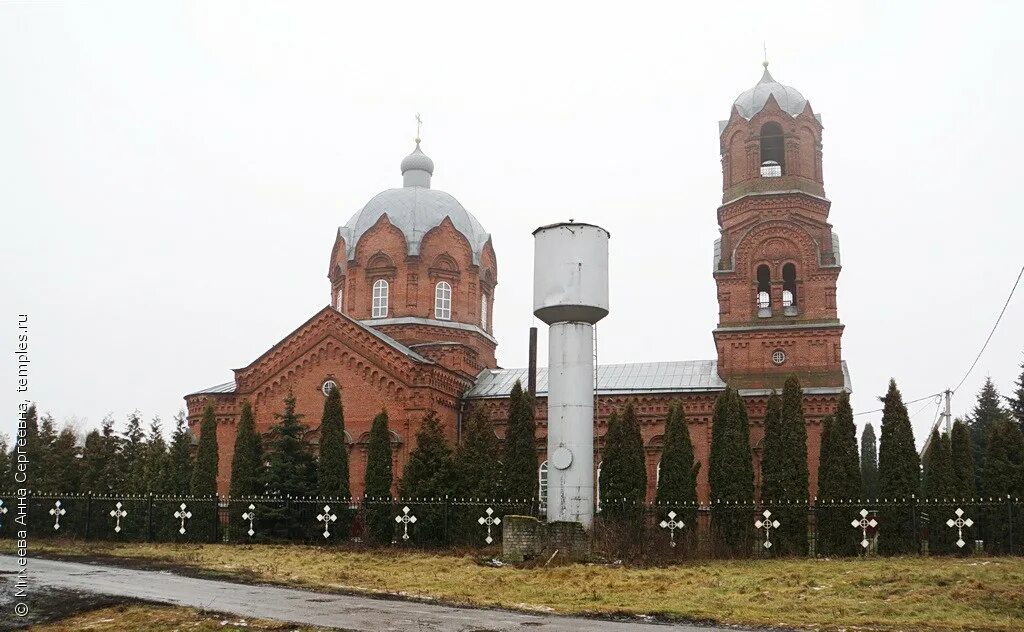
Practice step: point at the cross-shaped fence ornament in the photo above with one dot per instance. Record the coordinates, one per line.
(960, 523)
(327, 518)
(768, 524)
(250, 516)
(117, 513)
(3, 510)
(183, 514)
(487, 520)
(672, 524)
(405, 520)
(57, 512)
(863, 523)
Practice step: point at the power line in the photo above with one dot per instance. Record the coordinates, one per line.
(999, 318)
(913, 401)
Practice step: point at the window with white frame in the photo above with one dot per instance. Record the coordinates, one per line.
(483, 312)
(339, 301)
(380, 299)
(443, 301)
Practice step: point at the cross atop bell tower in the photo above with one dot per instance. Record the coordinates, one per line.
(777, 260)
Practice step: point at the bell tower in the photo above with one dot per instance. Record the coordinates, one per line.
(777, 261)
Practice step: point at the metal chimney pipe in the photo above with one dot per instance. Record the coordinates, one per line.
(570, 294)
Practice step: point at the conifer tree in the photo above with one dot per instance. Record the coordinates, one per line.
(1016, 403)
(677, 477)
(938, 488)
(6, 475)
(332, 465)
(62, 474)
(1003, 476)
(378, 481)
(179, 478)
(623, 469)
(987, 413)
(291, 470)
(477, 470)
(428, 474)
(157, 461)
(839, 479)
(899, 475)
(44, 443)
(784, 469)
(520, 464)
(93, 465)
(731, 472)
(113, 479)
(869, 461)
(962, 456)
(133, 456)
(204, 472)
(247, 460)
(32, 451)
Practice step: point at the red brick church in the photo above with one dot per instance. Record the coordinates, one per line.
(412, 286)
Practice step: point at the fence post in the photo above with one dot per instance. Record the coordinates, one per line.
(149, 519)
(1009, 515)
(447, 531)
(913, 517)
(88, 513)
(287, 517)
(216, 518)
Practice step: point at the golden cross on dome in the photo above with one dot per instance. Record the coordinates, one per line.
(419, 123)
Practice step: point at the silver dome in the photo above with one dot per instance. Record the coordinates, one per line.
(415, 209)
(753, 101)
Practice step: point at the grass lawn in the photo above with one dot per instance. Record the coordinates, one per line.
(150, 618)
(932, 593)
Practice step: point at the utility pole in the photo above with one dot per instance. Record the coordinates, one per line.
(946, 413)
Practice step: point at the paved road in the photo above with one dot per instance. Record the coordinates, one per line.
(306, 607)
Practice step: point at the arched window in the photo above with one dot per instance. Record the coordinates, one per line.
(380, 299)
(773, 151)
(789, 286)
(483, 312)
(764, 297)
(542, 487)
(443, 301)
(339, 303)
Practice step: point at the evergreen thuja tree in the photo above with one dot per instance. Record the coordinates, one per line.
(332, 464)
(731, 474)
(204, 473)
(44, 443)
(677, 473)
(378, 481)
(179, 475)
(784, 469)
(962, 457)
(32, 451)
(429, 475)
(520, 464)
(899, 476)
(677, 476)
(63, 475)
(839, 480)
(937, 488)
(132, 457)
(623, 470)
(113, 479)
(247, 460)
(1003, 479)
(6, 475)
(869, 461)
(157, 460)
(477, 472)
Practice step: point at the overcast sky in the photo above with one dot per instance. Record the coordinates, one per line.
(172, 174)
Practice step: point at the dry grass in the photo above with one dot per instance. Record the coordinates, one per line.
(879, 594)
(150, 618)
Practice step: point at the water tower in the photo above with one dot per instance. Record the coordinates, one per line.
(570, 294)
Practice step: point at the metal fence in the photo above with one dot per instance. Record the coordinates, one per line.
(621, 530)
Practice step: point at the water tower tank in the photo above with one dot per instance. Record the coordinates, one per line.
(570, 273)
(570, 294)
